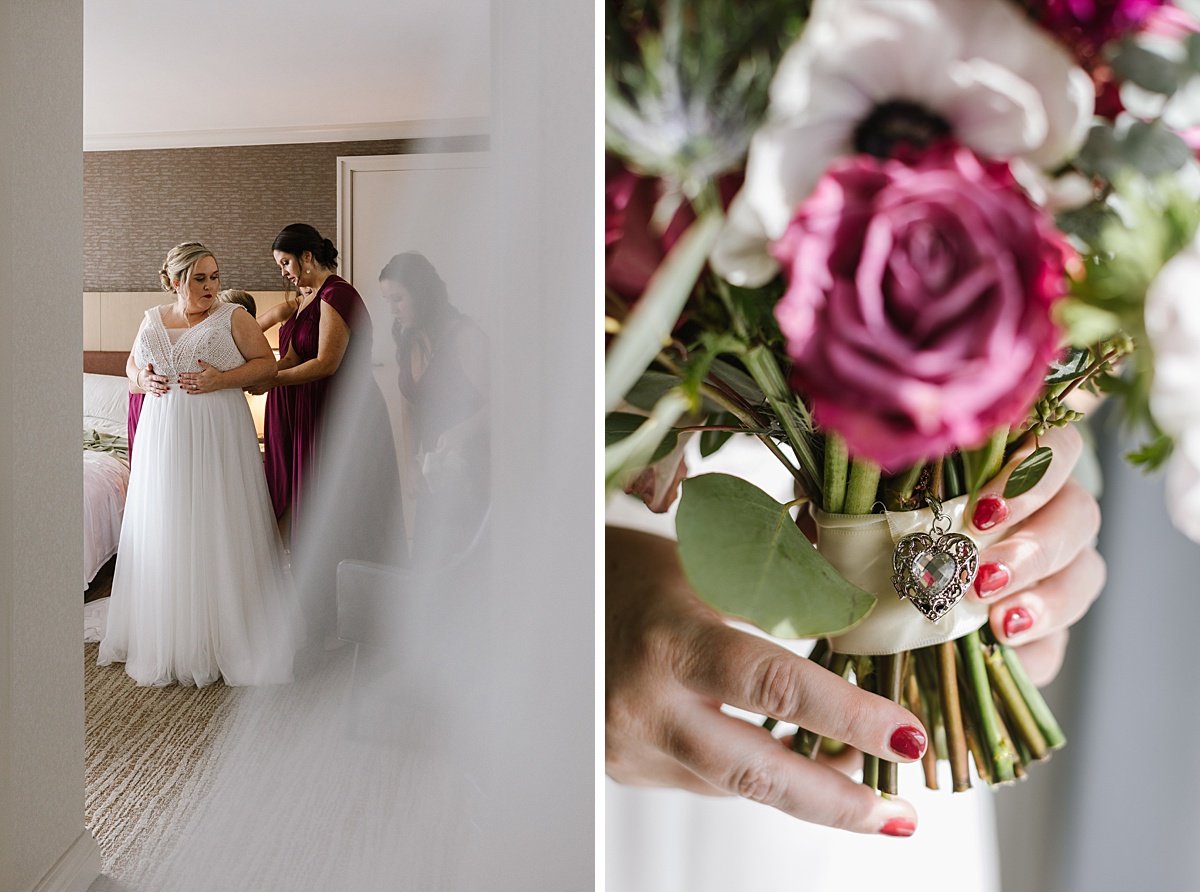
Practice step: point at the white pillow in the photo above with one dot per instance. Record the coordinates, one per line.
(105, 403)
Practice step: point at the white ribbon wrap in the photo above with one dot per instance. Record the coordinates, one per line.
(861, 547)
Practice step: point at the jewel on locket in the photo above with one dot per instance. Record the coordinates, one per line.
(934, 569)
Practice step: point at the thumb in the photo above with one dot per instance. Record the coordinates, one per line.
(203, 364)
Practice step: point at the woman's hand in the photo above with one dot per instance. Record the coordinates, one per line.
(1044, 575)
(150, 382)
(206, 380)
(671, 661)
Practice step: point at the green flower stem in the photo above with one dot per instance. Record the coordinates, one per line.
(900, 491)
(761, 364)
(769, 723)
(992, 737)
(866, 676)
(860, 491)
(1055, 738)
(889, 686)
(837, 462)
(752, 422)
(912, 697)
(956, 743)
(1019, 714)
(952, 482)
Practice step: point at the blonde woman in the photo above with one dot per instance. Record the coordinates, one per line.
(200, 591)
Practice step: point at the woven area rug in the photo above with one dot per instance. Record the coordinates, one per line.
(149, 753)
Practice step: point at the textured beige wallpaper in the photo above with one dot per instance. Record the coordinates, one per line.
(138, 204)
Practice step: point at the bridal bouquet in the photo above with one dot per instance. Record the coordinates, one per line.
(896, 242)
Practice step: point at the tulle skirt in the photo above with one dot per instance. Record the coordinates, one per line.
(200, 590)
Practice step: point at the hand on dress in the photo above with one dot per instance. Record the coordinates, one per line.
(206, 380)
(152, 382)
(671, 661)
(1045, 573)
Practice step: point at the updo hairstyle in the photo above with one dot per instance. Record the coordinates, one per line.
(179, 263)
(241, 298)
(296, 238)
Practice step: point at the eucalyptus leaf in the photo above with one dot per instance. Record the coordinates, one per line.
(744, 555)
(1148, 69)
(1026, 475)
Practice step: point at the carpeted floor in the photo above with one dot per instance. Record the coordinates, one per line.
(149, 753)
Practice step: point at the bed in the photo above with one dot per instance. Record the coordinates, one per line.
(105, 466)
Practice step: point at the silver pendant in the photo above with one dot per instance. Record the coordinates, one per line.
(934, 569)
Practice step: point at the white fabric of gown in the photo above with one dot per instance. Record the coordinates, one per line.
(201, 590)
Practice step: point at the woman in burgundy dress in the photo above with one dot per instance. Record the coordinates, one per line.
(344, 477)
(279, 410)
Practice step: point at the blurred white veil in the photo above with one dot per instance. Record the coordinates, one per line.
(450, 745)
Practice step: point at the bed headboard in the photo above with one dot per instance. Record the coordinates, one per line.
(105, 362)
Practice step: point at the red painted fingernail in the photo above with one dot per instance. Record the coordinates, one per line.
(991, 578)
(989, 511)
(899, 827)
(908, 741)
(1016, 621)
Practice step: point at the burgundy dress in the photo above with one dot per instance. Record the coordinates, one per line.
(131, 420)
(277, 432)
(341, 434)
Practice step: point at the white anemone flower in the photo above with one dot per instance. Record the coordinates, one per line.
(1172, 315)
(977, 70)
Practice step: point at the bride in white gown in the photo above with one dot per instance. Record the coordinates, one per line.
(200, 590)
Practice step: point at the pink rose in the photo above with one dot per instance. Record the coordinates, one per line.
(917, 312)
(1087, 25)
(634, 246)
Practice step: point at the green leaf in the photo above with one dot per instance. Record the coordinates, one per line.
(650, 388)
(1149, 148)
(1148, 69)
(711, 441)
(744, 555)
(1073, 365)
(740, 381)
(1086, 324)
(641, 337)
(1026, 475)
(1152, 455)
(619, 425)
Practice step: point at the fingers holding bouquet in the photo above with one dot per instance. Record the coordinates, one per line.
(1044, 574)
(672, 661)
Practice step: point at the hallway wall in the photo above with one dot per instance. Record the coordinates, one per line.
(41, 498)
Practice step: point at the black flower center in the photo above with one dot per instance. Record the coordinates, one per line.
(896, 124)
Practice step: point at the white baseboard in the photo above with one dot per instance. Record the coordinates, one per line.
(76, 869)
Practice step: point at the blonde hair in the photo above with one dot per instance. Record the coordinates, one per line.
(240, 297)
(179, 263)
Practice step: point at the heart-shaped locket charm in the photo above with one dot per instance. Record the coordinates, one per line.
(934, 570)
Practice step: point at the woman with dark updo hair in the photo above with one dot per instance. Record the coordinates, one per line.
(328, 367)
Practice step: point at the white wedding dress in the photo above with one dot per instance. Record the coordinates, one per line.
(201, 590)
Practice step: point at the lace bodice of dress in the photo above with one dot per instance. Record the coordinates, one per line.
(210, 340)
